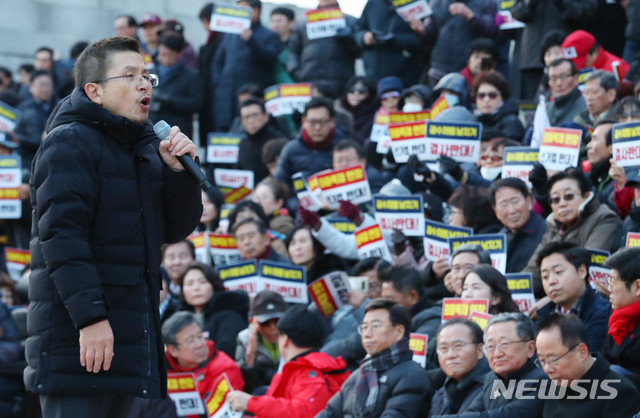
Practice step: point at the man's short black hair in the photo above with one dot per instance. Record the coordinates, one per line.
(560, 61)
(206, 12)
(608, 135)
(304, 328)
(572, 329)
(403, 279)
(77, 48)
(571, 173)
(626, 261)
(484, 257)
(189, 244)
(511, 182)
(284, 11)
(47, 50)
(255, 4)
(173, 41)
(575, 255)
(368, 264)
(318, 102)
(398, 314)
(28, 68)
(40, 73)
(272, 149)
(475, 331)
(253, 102)
(484, 45)
(262, 227)
(131, 21)
(551, 39)
(248, 205)
(251, 89)
(95, 60)
(350, 143)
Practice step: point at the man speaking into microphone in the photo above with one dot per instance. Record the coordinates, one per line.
(104, 199)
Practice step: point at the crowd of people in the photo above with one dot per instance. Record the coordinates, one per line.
(576, 64)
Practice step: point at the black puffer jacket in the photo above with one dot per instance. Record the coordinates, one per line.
(103, 203)
(505, 120)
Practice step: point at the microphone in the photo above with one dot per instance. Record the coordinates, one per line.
(162, 129)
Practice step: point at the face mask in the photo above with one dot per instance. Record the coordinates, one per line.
(411, 107)
(452, 99)
(490, 173)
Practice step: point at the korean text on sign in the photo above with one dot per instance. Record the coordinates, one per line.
(460, 141)
(348, 184)
(560, 148)
(228, 18)
(461, 308)
(495, 244)
(436, 238)
(403, 213)
(324, 23)
(626, 144)
(518, 162)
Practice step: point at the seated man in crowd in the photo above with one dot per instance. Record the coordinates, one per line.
(565, 356)
(600, 91)
(308, 378)
(175, 259)
(257, 351)
(567, 99)
(462, 360)
(564, 270)
(622, 345)
(253, 241)
(388, 382)
(513, 204)
(511, 351)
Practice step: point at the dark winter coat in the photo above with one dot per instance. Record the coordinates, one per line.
(627, 354)
(250, 151)
(505, 120)
(404, 391)
(363, 116)
(238, 62)
(177, 98)
(564, 109)
(103, 203)
(522, 244)
(30, 127)
(456, 397)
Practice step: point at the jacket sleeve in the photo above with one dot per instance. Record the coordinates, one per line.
(339, 243)
(283, 170)
(333, 408)
(297, 406)
(602, 235)
(408, 40)
(295, 51)
(189, 103)
(66, 183)
(218, 61)
(29, 131)
(182, 204)
(410, 397)
(266, 49)
(484, 23)
(522, 10)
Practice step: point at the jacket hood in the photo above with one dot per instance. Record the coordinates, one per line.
(175, 367)
(78, 108)
(319, 360)
(421, 91)
(510, 107)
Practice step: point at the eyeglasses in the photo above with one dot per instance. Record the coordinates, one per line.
(514, 201)
(456, 348)
(553, 362)
(359, 91)
(492, 95)
(611, 280)
(567, 198)
(375, 327)
(491, 158)
(390, 95)
(135, 78)
(560, 77)
(194, 339)
(317, 122)
(491, 347)
(632, 114)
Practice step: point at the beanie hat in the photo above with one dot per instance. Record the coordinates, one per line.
(390, 83)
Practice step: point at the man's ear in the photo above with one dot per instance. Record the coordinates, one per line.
(173, 350)
(93, 92)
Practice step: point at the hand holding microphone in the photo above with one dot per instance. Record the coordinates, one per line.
(178, 152)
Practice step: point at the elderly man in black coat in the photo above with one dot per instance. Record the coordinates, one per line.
(105, 196)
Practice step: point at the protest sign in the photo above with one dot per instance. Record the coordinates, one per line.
(480, 318)
(343, 225)
(495, 244)
(8, 117)
(182, 389)
(521, 287)
(633, 239)
(380, 129)
(330, 291)
(504, 10)
(201, 244)
(16, 260)
(436, 238)
(418, 344)
(216, 401)
(223, 147)
(229, 179)
(406, 117)
(288, 280)
(324, 23)
(228, 18)
(223, 223)
(598, 273)
(347, 184)
(371, 243)
(306, 198)
(528, 110)
(242, 276)
(461, 307)
(626, 144)
(408, 139)
(412, 9)
(235, 195)
(439, 106)
(403, 213)
(582, 75)
(10, 180)
(460, 141)
(518, 162)
(284, 99)
(223, 250)
(560, 148)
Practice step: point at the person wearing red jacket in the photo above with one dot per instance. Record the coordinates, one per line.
(582, 48)
(308, 378)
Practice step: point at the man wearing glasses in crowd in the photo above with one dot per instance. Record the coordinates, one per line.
(567, 99)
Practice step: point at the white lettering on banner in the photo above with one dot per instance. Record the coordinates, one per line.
(415, 10)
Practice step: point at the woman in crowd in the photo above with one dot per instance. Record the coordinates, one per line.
(212, 201)
(495, 109)
(272, 195)
(471, 207)
(224, 313)
(485, 282)
(305, 250)
(361, 102)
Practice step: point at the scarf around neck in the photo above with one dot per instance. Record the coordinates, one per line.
(318, 145)
(623, 320)
(367, 383)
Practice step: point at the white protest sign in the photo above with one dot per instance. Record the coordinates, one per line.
(518, 162)
(560, 148)
(504, 9)
(408, 139)
(223, 147)
(400, 212)
(216, 401)
(8, 117)
(495, 244)
(223, 250)
(626, 144)
(412, 9)
(284, 99)
(521, 287)
(436, 238)
(349, 184)
(330, 292)
(460, 141)
(288, 280)
(306, 197)
(233, 179)
(597, 271)
(242, 276)
(228, 18)
(371, 243)
(16, 259)
(418, 344)
(324, 23)
(201, 244)
(182, 389)
(10, 180)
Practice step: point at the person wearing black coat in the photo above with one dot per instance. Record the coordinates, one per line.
(105, 197)
(361, 102)
(496, 108)
(240, 59)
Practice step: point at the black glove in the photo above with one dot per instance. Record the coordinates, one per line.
(538, 178)
(417, 167)
(451, 166)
